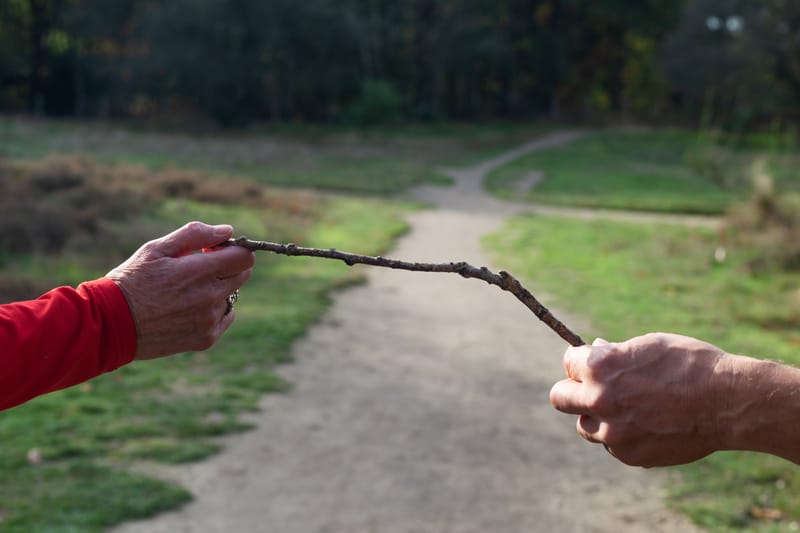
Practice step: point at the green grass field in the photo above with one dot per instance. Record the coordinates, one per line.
(376, 162)
(643, 170)
(630, 279)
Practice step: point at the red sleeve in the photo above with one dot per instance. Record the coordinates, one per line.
(62, 338)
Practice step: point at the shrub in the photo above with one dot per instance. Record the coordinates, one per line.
(710, 162)
(768, 223)
(60, 174)
(378, 103)
(44, 205)
(70, 202)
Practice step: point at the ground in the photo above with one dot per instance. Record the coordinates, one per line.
(420, 404)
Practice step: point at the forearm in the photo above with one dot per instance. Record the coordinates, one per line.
(762, 410)
(65, 337)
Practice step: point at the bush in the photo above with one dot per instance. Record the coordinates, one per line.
(768, 223)
(70, 202)
(710, 162)
(378, 103)
(44, 205)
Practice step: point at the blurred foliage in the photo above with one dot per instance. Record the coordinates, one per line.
(628, 168)
(77, 200)
(378, 160)
(720, 62)
(70, 210)
(735, 63)
(378, 103)
(60, 202)
(768, 223)
(241, 60)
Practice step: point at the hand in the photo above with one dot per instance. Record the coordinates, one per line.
(654, 400)
(178, 298)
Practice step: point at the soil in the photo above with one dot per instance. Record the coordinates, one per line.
(420, 404)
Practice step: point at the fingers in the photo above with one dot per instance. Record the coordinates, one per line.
(232, 283)
(212, 294)
(210, 337)
(228, 317)
(572, 397)
(191, 237)
(575, 361)
(578, 359)
(578, 393)
(220, 264)
(591, 429)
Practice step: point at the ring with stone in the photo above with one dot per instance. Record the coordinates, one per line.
(231, 300)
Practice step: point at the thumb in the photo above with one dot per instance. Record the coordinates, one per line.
(600, 342)
(192, 237)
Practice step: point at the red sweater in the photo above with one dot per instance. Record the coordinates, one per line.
(62, 338)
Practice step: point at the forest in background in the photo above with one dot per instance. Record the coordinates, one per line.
(730, 63)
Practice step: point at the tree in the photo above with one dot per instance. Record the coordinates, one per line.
(725, 63)
(242, 60)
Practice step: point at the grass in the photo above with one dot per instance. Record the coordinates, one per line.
(377, 161)
(647, 170)
(66, 456)
(630, 279)
(64, 498)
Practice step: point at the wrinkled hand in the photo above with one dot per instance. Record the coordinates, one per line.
(654, 400)
(178, 298)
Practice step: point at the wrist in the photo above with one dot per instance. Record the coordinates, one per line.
(759, 406)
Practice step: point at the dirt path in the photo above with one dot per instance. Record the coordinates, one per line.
(420, 406)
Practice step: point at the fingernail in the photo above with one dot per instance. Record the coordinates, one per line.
(599, 342)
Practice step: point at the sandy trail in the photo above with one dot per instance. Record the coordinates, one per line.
(421, 405)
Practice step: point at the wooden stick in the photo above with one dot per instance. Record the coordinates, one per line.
(504, 280)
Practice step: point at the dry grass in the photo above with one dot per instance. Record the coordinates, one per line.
(48, 205)
(69, 204)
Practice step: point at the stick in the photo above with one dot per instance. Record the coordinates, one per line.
(504, 280)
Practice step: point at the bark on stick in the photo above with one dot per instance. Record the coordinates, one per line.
(503, 279)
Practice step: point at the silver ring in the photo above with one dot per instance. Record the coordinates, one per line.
(231, 300)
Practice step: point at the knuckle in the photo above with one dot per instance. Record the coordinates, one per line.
(194, 225)
(149, 248)
(656, 340)
(602, 403)
(604, 362)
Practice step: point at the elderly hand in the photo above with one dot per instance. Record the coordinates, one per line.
(654, 400)
(178, 298)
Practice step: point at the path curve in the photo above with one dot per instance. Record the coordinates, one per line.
(421, 406)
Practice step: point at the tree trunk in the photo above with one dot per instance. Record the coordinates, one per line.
(38, 68)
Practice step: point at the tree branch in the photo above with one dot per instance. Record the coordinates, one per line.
(504, 280)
